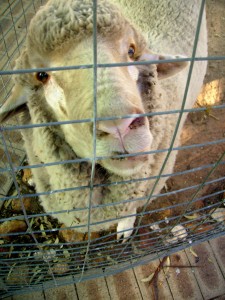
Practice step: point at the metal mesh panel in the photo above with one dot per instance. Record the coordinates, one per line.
(183, 215)
(15, 16)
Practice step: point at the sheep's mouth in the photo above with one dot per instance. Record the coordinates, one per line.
(128, 158)
(125, 165)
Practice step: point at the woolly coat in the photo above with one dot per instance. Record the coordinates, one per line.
(67, 189)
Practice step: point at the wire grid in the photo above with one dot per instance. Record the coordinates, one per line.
(37, 260)
(15, 16)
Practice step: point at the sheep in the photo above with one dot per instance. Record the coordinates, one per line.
(61, 34)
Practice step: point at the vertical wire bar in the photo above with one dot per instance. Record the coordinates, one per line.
(201, 11)
(207, 176)
(4, 88)
(21, 202)
(24, 15)
(6, 48)
(8, 60)
(178, 220)
(10, 146)
(184, 98)
(198, 190)
(94, 8)
(34, 6)
(14, 27)
(17, 188)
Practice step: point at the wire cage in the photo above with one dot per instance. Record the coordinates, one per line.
(189, 210)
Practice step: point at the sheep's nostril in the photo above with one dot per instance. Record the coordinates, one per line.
(101, 134)
(119, 128)
(138, 122)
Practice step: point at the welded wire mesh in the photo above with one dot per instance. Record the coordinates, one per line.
(181, 216)
(15, 17)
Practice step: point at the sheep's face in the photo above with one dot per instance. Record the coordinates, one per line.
(70, 95)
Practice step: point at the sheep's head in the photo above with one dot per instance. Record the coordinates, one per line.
(61, 35)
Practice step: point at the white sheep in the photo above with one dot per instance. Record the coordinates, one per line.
(61, 35)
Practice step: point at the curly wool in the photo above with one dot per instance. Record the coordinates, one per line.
(60, 22)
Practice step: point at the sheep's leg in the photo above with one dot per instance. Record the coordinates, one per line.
(125, 227)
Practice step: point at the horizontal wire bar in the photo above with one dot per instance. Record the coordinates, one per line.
(124, 181)
(108, 204)
(152, 211)
(111, 65)
(114, 269)
(129, 258)
(89, 159)
(91, 120)
(78, 250)
(110, 252)
(73, 254)
(105, 221)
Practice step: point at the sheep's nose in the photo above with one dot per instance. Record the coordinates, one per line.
(119, 128)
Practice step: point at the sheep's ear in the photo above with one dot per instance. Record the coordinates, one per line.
(166, 69)
(169, 69)
(15, 104)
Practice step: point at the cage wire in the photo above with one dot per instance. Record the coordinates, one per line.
(33, 254)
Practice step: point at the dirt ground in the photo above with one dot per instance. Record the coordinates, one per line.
(202, 127)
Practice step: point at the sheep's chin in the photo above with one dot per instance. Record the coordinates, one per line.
(125, 167)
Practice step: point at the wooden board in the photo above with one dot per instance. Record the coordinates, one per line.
(66, 292)
(95, 289)
(123, 286)
(218, 247)
(208, 274)
(187, 277)
(181, 279)
(147, 292)
(32, 296)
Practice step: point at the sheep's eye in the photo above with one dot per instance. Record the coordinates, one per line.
(131, 51)
(42, 76)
